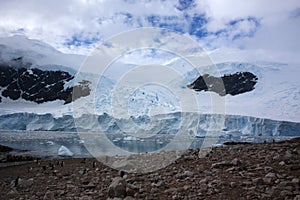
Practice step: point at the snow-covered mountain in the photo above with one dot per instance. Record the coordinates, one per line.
(36, 52)
(37, 78)
(276, 94)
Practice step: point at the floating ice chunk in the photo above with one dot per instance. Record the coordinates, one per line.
(116, 139)
(81, 141)
(64, 151)
(129, 138)
(50, 142)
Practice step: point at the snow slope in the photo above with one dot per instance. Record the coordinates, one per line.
(276, 94)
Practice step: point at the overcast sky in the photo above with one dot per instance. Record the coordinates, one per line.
(261, 29)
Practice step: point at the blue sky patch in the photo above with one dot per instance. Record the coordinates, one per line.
(79, 40)
(185, 4)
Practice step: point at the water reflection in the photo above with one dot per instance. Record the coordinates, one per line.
(46, 144)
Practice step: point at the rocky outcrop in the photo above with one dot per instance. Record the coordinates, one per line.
(36, 85)
(233, 84)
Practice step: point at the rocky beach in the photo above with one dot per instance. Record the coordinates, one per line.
(235, 171)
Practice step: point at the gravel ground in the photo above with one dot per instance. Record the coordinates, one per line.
(242, 171)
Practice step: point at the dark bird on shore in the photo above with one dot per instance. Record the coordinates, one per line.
(94, 164)
(17, 181)
(29, 169)
(84, 171)
(121, 173)
(51, 164)
(37, 161)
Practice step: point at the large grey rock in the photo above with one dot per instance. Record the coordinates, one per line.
(117, 188)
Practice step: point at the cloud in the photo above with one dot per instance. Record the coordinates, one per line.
(79, 26)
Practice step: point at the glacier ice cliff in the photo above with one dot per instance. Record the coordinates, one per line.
(158, 124)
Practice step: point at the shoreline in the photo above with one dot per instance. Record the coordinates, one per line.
(240, 171)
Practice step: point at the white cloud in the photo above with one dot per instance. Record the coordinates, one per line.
(275, 39)
(91, 21)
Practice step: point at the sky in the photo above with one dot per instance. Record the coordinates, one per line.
(228, 30)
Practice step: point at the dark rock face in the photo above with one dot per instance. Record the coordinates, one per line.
(39, 86)
(233, 84)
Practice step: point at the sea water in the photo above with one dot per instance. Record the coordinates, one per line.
(45, 144)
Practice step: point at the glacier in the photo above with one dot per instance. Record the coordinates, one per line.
(145, 126)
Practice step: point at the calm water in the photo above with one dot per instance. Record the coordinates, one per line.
(45, 144)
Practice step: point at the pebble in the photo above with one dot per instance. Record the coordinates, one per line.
(281, 163)
(49, 195)
(22, 183)
(236, 162)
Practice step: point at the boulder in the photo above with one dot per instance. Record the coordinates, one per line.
(117, 188)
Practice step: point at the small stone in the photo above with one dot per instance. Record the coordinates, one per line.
(230, 169)
(89, 186)
(186, 187)
(49, 195)
(85, 198)
(285, 193)
(296, 180)
(188, 173)
(271, 175)
(129, 198)
(258, 181)
(130, 192)
(222, 164)
(204, 152)
(133, 186)
(216, 182)
(13, 192)
(153, 190)
(159, 183)
(203, 181)
(236, 162)
(297, 197)
(232, 184)
(289, 188)
(247, 183)
(268, 169)
(25, 183)
(282, 163)
(288, 155)
(267, 180)
(171, 190)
